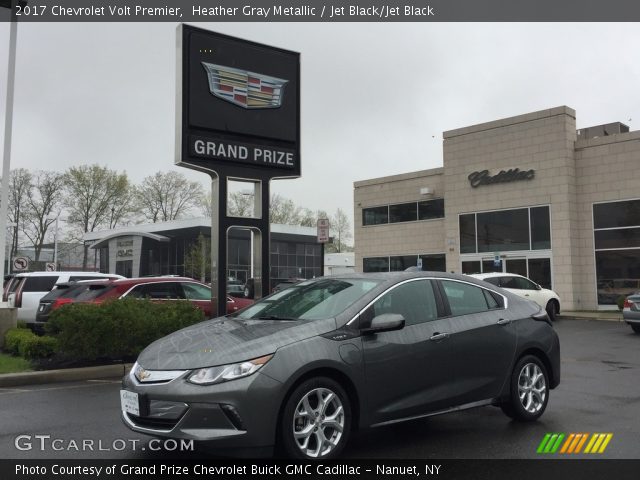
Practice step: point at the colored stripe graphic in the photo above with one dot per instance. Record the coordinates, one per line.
(573, 443)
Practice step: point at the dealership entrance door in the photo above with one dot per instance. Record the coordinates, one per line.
(533, 265)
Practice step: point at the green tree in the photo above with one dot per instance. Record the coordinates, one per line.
(92, 192)
(166, 196)
(197, 259)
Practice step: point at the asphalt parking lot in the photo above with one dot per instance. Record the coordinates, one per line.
(599, 393)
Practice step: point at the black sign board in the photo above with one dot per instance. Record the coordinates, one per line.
(238, 106)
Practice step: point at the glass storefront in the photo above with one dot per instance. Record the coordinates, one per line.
(617, 250)
(505, 230)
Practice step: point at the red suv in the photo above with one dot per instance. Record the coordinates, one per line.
(159, 288)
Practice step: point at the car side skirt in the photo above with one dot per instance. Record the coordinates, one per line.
(466, 406)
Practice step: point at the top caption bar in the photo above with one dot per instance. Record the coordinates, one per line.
(320, 11)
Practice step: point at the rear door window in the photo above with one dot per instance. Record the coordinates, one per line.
(465, 298)
(195, 291)
(39, 284)
(157, 291)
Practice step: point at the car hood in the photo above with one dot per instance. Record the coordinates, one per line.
(227, 340)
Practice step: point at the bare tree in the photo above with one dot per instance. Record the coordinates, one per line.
(20, 189)
(309, 218)
(92, 191)
(240, 204)
(43, 207)
(341, 228)
(283, 211)
(167, 196)
(206, 204)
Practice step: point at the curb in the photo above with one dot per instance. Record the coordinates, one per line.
(64, 375)
(584, 317)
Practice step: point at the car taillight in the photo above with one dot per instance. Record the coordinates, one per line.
(59, 302)
(628, 303)
(18, 298)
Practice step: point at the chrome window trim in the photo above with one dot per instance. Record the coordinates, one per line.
(157, 377)
(506, 301)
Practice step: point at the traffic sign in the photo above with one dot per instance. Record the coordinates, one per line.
(20, 264)
(323, 230)
(50, 267)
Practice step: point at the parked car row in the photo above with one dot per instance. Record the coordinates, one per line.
(37, 294)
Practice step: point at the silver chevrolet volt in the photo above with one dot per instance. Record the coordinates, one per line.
(303, 368)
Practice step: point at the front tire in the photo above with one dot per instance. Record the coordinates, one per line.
(552, 310)
(316, 420)
(529, 390)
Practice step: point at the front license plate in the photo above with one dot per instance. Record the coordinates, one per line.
(129, 402)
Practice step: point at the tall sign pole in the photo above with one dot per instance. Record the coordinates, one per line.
(237, 119)
(8, 128)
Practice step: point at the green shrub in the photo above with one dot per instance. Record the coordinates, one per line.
(14, 337)
(117, 329)
(24, 342)
(620, 302)
(21, 324)
(38, 347)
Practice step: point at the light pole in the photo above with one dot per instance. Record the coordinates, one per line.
(55, 245)
(8, 124)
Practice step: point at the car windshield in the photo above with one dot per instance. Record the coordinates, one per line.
(310, 300)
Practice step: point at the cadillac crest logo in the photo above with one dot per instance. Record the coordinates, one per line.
(243, 88)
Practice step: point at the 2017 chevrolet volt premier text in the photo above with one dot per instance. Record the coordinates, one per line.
(304, 367)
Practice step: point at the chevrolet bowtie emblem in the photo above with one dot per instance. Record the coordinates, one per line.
(243, 88)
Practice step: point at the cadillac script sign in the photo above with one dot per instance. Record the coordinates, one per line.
(504, 176)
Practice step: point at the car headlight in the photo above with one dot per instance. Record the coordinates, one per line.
(225, 373)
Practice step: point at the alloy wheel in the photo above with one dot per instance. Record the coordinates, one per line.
(532, 388)
(318, 422)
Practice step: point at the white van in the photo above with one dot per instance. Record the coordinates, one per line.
(26, 289)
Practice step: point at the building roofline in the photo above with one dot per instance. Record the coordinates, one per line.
(400, 177)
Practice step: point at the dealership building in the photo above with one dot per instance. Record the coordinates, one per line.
(528, 194)
(167, 248)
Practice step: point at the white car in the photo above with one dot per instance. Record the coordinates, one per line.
(25, 290)
(523, 287)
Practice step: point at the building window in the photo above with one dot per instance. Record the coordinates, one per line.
(375, 264)
(375, 215)
(505, 230)
(403, 212)
(431, 209)
(398, 263)
(617, 249)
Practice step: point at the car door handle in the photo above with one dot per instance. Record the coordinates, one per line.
(504, 321)
(526, 294)
(438, 336)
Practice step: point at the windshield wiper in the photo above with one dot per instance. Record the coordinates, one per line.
(275, 317)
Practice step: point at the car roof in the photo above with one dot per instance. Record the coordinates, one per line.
(59, 273)
(135, 281)
(494, 274)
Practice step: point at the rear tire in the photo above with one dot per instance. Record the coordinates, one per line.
(552, 310)
(529, 390)
(316, 420)
(636, 328)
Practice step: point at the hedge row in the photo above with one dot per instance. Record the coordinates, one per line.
(23, 342)
(117, 329)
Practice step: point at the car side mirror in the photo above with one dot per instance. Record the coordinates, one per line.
(538, 287)
(385, 323)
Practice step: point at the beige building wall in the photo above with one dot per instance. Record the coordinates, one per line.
(542, 141)
(406, 238)
(607, 169)
(570, 176)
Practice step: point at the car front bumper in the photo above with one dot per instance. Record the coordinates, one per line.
(240, 413)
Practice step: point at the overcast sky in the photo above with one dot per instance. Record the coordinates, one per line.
(375, 97)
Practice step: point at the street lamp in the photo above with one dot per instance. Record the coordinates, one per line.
(8, 125)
